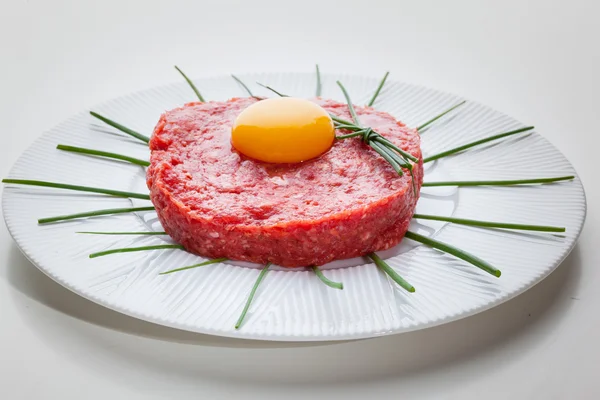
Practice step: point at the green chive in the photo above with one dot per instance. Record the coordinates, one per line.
(350, 105)
(341, 121)
(272, 90)
(383, 153)
(188, 80)
(421, 127)
(318, 81)
(243, 85)
(202, 264)
(463, 255)
(488, 224)
(372, 101)
(261, 276)
(120, 127)
(350, 135)
(110, 192)
(134, 249)
(110, 211)
(387, 143)
(328, 282)
(391, 273)
(476, 143)
(100, 153)
(150, 233)
(499, 183)
(412, 179)
(349, 127)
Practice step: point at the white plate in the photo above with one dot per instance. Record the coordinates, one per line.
(295, 305)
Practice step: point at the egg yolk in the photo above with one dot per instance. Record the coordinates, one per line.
(283, 130)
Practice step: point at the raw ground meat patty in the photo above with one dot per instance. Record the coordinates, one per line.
(218, 203)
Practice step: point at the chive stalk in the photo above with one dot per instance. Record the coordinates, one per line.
(327, 281)
(97, 213)
(120, 127)
(110, 192)
(260, 278)
(189, 81)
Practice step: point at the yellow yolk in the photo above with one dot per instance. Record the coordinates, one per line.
(283, 130)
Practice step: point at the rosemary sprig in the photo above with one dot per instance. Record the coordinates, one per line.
(476, 143)
(202, 264)
(391, 272)
(432, 120)
(238, 80)
(499, 183)
(372, 101)
(134, 249)
(110, 211)
(149, 233)
(116, 193)
(106, 154)
(318, 92)
(489, 224)
(189, 81)
(325, 280)
(120, 127)
(463, 255)
(261, 276)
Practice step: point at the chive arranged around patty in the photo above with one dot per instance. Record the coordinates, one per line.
(120, 127)
(432, 120)
(110, 192)
(376, 94)
(391, 273)
(135, 249)
(142, 233)
(319, 86)
(476, 143)
(242, 84)
(202, 264)
(500, 182)
(189, 81)
(96, 213)
(105, 154)
(260, 278)
(325, 280)
(491, 224)
(456, 252)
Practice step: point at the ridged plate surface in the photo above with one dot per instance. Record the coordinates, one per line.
(295, 305)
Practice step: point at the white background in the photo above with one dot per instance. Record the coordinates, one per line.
(538, 61)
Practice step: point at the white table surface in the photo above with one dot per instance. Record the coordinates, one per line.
(538, 61)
